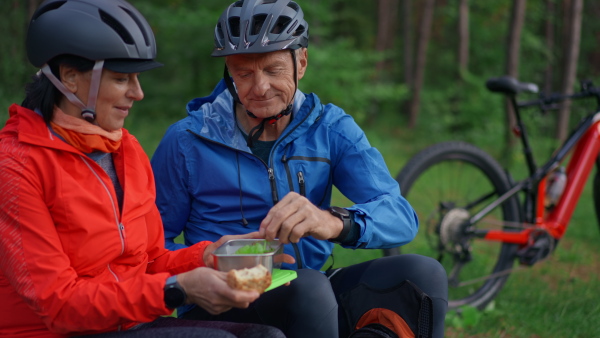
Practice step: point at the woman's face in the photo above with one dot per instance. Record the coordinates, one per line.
(116, 95)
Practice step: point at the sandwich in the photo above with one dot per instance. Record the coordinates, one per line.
(257, 278)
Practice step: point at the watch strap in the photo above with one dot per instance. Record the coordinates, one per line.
(347, 219)
(174, 294)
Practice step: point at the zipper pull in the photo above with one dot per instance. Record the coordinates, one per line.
(301, 184)
(273, 189)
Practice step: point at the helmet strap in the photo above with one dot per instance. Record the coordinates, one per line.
(230, 85)
(255, 132)
(87, 112)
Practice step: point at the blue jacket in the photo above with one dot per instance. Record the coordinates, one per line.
(207, 179)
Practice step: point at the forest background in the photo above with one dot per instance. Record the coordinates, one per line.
(411, 73)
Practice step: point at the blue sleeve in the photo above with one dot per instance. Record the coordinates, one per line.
(385, 217)
(172, 198)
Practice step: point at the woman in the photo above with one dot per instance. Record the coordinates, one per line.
(81, 242)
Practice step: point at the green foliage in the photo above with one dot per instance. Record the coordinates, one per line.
(14, 68)
(346, 83)
(185, 42)
(464, 317)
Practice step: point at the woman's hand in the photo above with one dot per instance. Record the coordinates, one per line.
(208, 289)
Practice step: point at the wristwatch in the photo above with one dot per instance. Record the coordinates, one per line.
(174, 294)
(346, 217)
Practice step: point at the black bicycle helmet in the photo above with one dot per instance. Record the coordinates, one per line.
(113, 31)
(260, 26)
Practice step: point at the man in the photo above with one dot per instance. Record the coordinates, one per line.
(258, 154)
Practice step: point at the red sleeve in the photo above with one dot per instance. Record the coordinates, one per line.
(162, 259)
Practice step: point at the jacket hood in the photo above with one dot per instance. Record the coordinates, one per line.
(29, 127)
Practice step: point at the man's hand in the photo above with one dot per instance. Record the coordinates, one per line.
(295, 217)
(208, 289)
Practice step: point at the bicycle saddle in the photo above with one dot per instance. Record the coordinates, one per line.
(509, 85)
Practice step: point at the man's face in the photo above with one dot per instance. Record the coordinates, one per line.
(265, 82)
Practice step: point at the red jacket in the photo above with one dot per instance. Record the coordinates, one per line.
(71, 262)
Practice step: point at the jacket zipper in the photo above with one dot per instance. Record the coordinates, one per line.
(273, 185)
(301, 180)
(120, 227)
(301, 184)
(270, 171)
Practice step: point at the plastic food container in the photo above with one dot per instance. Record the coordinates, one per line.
(226, 257)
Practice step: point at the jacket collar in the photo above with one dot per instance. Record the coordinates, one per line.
(29, 127)
(212, 117)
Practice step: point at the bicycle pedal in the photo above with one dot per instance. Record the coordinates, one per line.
(539, 250)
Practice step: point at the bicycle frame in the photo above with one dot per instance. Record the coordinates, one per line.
(584, 143)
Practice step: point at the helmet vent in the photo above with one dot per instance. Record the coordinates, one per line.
(117, 27)
(140, 25)
(257, 24)
(299, 31)
(219, 31)
(234, 26)
(280, 25)
(50, 7)
(238, 3)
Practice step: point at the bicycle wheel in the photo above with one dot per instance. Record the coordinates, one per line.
(446, 184)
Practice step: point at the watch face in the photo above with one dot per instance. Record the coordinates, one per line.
(174, 296)
(339, 211)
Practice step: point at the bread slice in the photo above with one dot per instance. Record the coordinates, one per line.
(257, 278)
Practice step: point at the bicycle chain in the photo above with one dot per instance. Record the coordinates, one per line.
(517, 268)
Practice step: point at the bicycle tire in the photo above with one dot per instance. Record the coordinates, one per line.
(433, 181)
(596, 192)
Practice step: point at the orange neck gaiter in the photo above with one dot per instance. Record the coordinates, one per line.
(83, 135)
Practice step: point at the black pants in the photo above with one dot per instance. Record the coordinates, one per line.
(309, 306)
(168, 327)
(305, 308)
(388, 272)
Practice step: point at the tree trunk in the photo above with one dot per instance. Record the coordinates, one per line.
(549, 37)
(463, 37)
(422, 43)
(571, 56)
(407, 33)
(512, 69)
(462, 57)
(386, 27)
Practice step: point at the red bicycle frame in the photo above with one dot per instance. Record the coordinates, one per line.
(556, 221)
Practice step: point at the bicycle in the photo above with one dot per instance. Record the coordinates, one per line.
(478, 221)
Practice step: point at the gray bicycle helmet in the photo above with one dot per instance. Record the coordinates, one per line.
(260, 26)
(113, 31)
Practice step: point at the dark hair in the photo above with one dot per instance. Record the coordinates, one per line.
(41, 94)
